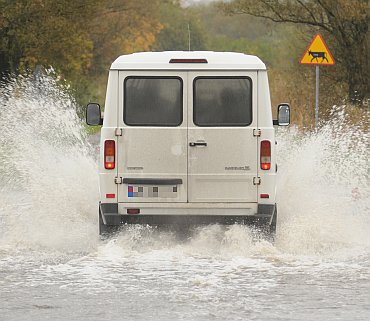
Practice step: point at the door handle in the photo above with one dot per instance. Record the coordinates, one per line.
(193, 144)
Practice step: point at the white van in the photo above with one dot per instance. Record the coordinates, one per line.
(187, 137)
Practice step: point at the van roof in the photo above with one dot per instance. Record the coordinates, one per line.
(161, 60)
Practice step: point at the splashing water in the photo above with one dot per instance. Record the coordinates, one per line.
(48, 188)
(324, 177)
(54, 266)
(48, 182)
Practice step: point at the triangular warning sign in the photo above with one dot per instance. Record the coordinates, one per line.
(317, 53)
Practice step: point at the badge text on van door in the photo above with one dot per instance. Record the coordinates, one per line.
(237, 168)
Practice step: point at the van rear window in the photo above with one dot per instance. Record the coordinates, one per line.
(153, 101)
(222, 101)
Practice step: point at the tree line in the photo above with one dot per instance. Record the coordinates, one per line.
(80, 39)
(346, 23)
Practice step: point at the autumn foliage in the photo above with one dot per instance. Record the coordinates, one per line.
(73, 35)
(80, 39)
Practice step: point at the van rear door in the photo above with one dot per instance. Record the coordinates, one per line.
(152, 151)
(222, 151)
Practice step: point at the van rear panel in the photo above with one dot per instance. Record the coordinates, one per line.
(222, 113)
(152, 154)
(187, 137)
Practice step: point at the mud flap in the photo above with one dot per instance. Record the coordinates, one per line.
(105, 227)
(268, 219)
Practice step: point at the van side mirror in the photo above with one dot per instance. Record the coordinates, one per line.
(283, 115)
(93, 114)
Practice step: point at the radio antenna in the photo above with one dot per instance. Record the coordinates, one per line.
(189, 35)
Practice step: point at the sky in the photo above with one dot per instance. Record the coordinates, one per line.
(190, 2)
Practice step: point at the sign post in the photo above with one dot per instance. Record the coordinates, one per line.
(317, 54)
(317, 96)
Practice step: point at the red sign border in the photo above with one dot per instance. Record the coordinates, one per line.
(315, 63)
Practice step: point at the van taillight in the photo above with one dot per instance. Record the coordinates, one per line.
(265, 155)
(109, 154)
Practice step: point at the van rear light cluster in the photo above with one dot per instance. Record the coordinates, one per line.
(265, 155)
(109, 154)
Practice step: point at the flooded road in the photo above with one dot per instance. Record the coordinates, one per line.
(124, 279)
(53, 265)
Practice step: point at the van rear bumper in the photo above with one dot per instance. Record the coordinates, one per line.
(264, 216)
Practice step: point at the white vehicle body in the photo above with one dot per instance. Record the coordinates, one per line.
(187, 130)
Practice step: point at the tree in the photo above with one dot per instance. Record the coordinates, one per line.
(79, 39)
(347, 22)
(178, 22)
(123, 27)
(73, 36)
(47, 32)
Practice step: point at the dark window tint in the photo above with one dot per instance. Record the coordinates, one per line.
(222, 101)
(153, 101)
